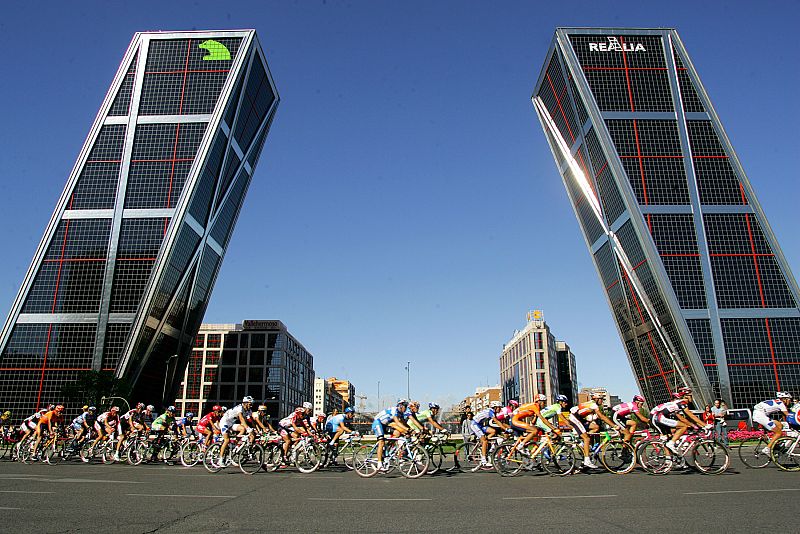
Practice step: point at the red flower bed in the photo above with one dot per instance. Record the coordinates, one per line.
(744, 435)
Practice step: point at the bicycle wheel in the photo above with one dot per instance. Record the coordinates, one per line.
(251, 459)
(508, 460)
(272, 457)
(752, 454)
(655, 458)
(618, 456)
(786, 454)
(561, 460)
(709, 457)
(415, 463)
(109, 450)
(309, 458)
(346, 454)
(365, 460)
(436, 455)
(190, 454)
(52, 453)
(210, 460)
(467, 456)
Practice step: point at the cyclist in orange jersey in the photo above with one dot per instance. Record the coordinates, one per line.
(530, 410)
(46, 422)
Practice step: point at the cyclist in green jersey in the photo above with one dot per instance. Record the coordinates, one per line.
(427, 416)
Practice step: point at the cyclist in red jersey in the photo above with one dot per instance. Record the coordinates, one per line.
(207, 426)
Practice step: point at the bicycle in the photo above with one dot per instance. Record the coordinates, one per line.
(545, 453)
(694, 449)
(785, 452)
(468, 453)
(345, 449)
(752, 453)
(404, 454)
(434, 444)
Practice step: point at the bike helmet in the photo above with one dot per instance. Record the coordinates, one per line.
(171, 409)
(224, 409)
(91, 409)
(349, 410)
(85, 407)
(413, 403)
(151, 407)
(404, 402)
(247, 399)
(189, 415)
(140, 406)
(562, 398)
(308, 406)
(433, 406)
(495, 404)
(262, 408)
(114, 409)
(59, 408)
(597, 393)
(783, 395)
(216, 408)
(677, 396)
(513, 403)
(638, 398)
(51, 407)
(6, 414)
(541, 397)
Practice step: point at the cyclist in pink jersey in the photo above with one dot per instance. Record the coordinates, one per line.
(683, 417)
(627, 416)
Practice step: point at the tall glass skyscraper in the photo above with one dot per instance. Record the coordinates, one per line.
(697, 283)
(122, 276)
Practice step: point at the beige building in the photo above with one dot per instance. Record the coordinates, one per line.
(328, 397)
(529, 363)
(585, 395)
(481, 399)
(346, 390)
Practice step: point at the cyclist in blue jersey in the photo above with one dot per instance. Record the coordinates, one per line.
(479, 426)
(390, 419)
(337, 425)
(185, 425)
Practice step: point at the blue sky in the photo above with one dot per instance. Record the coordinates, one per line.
(406, 206)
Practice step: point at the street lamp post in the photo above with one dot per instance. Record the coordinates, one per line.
(408, 381)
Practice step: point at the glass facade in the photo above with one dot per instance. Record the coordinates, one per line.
(125, 269)
(694, 277)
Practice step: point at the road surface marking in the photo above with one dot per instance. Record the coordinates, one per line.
(561, 497)
(172, 495)
(20, 491)
(739, 491)
(362, 499)
(8, 508)
(73, 480)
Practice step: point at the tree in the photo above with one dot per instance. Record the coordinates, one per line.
(91, 386)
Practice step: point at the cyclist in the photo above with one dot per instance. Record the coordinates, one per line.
(147, 417)
(105, 425)
(293, 426)
(317, 424)
(235, 419)
(586, 414)
(531, 410)
(427, 416)
(129, 422)
(548, 412)
(627, 414)
(261, 419)
(479, 426)
(5, 420)
(336, 426)
(28, 426)
(185, 425)
(411, 417)
(207, 426)
(46, 422)
(763, 410)
(684, 418)
(82, 425)
(389, 419)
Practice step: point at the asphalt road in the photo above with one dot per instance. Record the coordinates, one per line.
(119, 498)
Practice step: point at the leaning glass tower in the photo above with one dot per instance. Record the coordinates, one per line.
(697, 283)
(122, 276)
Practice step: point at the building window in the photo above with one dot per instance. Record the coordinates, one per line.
(214, 340)
(199, 340)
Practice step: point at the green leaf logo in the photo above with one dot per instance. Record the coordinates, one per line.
(216, 51)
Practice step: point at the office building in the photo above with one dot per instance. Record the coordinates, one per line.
(257, 358)
(123, 273)
(346, 390)
(567, 374)
(696, 281)
(529, 363)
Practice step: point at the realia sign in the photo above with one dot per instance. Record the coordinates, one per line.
(613, 45)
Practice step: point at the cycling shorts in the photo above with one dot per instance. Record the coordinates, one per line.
(664, 423)
(761, 417)
(377, 428)
(76, 426)
(477, 429)
(518, 430)
(577, 424)
(793, 422)
(202, 429)
(541, 425)
(330, 429)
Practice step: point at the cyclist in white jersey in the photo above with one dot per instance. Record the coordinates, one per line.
(662, 417)
(235, 419)
(763, 410)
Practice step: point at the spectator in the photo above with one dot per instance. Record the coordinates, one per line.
(720, 411)
(466, 417)
(708, 416)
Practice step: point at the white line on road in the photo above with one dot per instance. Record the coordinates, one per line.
(172, 495)
(8, 508)
(20, 491)
(739, 491)
(362, 499)
(560, 497)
